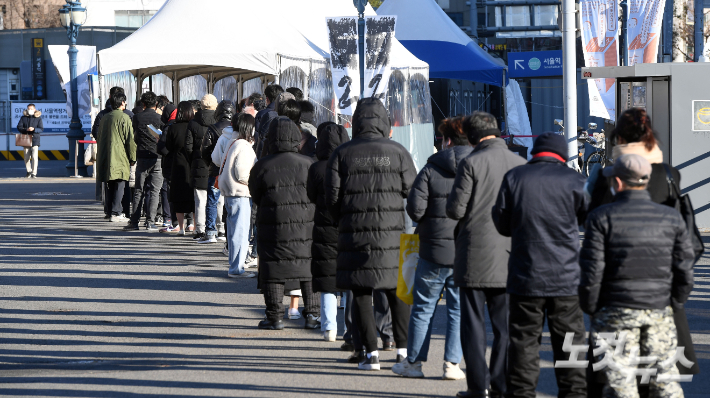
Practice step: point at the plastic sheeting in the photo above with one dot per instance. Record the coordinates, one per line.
(193, 88)
(226, 89)
(124, 80)
(253, 86)
(518, 119)
(163, 85)
(313, 78)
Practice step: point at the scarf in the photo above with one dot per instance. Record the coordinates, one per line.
(550, 155)
(655, 155)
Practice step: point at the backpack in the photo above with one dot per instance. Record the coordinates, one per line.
(685, 208)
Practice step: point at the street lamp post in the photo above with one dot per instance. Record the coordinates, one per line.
(72, 15)
(361, 4)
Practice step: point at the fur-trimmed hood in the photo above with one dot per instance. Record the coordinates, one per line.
(36, 114)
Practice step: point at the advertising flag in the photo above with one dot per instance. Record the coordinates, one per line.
(344, 62)
(600, 43)
(643, 33)
(379, 35)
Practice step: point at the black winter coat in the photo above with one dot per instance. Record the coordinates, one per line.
(277, 184)
(637, 252)
(176, 143)
(34, 121)
(324, 250)
(426, 205)
(366, 182)
(481, 252)
(146, 144)
(657, 187)
(262, 122)
(541, 205)
(196, 130)
(210, 141)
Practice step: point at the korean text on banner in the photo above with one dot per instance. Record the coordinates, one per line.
(644, 30)
(379, 34)
(54, 117)
(86, 65)
(344, 62)
(600, 41)
(408, 259)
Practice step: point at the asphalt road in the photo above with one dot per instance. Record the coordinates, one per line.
(87, 310)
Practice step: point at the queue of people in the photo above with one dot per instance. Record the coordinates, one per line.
(323, 213)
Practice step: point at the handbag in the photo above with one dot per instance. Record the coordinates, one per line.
(685, 208)
(408, 259)
(216, 179)
(23, 140)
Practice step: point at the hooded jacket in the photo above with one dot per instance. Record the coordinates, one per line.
(166, 161)
(277, 184)
(308, 140)
(325, 231)
(34, 121)
(426, 205)
(196, 130)
(481, 252)
(541, 205)
(238, 161)
(366, 182)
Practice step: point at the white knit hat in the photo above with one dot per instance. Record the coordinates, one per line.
(209, 101)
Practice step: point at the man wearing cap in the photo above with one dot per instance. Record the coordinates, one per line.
(639, 254)
(540, 206)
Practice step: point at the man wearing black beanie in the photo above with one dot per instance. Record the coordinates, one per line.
(481, 259)
(540, 206)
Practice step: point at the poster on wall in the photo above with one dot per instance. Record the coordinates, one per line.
(379, 34)
(643, 22)
(86, 65)
(39, 75)
(54, 116)
(601, 47)
(344, 62)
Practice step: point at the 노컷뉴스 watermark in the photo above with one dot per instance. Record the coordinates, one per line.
(611, 340)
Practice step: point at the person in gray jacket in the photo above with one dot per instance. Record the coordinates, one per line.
(481, 261)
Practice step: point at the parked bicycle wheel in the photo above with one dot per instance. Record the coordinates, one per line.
(592, 160)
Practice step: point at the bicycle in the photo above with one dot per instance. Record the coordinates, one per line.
(594, 149)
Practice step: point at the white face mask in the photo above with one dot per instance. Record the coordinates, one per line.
(30, 112)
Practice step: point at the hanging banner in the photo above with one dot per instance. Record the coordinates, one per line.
(644, 21)
(344, 62)
(379, 34)
(601, 48)
(39, 75)
(85, 66)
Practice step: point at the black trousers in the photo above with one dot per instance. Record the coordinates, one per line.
(479, 376)
(383, 315)
(366, 317)
(164, 201)
(274, 298)
(527, 316)
(114, 196)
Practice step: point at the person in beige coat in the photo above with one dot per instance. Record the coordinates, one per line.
(236, 156)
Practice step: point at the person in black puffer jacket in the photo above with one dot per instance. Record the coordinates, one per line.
(199, 170)
(277, 184)
(366, 182)
(325, 231)
(214, 227)
(166, 163)
(636, 259)
(31, 123)
(426, 205)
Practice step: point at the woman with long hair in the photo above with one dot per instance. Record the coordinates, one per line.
(235, 156)
(182, 199)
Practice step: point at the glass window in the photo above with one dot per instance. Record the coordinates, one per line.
(457, 17)
(132, 18)
(545, 15)
(517, 16)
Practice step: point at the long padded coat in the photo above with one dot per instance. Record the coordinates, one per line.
(325, 232)
(367, 180)
(277, 184)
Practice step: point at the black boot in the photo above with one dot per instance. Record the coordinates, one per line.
(271, 325)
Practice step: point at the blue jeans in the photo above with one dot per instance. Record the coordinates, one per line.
(213, 212)
(238, 215)
(328, 312)
(429, 282)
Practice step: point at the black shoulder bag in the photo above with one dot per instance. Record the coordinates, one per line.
(685, 208)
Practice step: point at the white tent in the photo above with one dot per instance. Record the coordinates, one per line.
(275, 40)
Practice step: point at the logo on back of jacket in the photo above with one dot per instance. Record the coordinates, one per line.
(372, 161)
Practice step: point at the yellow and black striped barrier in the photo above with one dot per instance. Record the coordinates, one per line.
(43, 155)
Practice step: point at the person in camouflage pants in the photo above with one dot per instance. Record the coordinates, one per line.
(636, 258)
(639, 333)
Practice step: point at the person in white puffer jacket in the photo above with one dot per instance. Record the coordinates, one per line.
(236, 157)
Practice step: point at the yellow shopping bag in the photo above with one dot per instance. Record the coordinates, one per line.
(408, 258)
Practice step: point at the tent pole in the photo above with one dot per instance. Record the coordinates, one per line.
(240, 88)
(139, 88)
(505, 103)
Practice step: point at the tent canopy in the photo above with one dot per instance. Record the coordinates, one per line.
(176, 42)
(428, 33)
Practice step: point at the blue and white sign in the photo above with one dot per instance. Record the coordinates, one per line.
(535, 64)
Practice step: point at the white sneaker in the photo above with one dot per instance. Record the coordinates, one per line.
(330, 335)
(293, 313)
(407, 369)
(119, 218)
(242, 275)
(251, 262)
(452, 371)
(225, 251)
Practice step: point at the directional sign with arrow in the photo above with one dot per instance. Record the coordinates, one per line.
(535, 64)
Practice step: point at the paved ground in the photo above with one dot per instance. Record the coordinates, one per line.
(87, 310)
